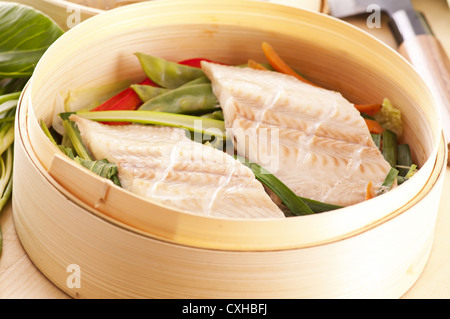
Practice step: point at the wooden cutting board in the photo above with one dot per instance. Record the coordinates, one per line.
(19, 278)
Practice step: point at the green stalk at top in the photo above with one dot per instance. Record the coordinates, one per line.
(192, 123)
(296, 204)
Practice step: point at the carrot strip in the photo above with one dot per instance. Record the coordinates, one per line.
(369, 193)
(369, 109)
(278, 63)
(374, 126)
(255, 65)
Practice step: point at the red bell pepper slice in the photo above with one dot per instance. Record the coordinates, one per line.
(123, 101)
(195, 62)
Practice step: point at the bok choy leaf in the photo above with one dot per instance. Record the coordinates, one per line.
(25, 34)
(80, 154)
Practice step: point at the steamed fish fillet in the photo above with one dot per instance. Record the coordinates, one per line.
(312, 139)
(162, 164)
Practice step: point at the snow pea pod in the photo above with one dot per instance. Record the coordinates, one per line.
(189, 99)
(217, 115)
(165, 73)
(147, 92)
(200, 80)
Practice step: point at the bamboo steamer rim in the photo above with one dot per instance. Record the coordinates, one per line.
(252, 234)
(98, 6)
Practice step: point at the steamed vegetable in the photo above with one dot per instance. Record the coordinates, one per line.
(147, 92)
(373, 126)
(194, 62)
(279, 64)
(296, 204)
(255, 65)
(186, 99)
(398, 155)
(404, 159)
(74, 137)
(390, 117)
(167, 74)
(192, 123)
(390, 180)
(369, 109)
(389, 148)
(127, 99)
(78, 152)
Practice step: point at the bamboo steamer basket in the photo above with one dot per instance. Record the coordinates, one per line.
(130, 247)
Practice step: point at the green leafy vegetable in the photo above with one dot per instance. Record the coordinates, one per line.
(101, 167)
(14, 96)
(74, 136)
(25, 34)
(296, 204)
(390, 118)
(6, 158)
(13, 84)
(6, 164)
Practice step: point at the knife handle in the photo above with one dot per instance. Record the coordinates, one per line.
(429, 58)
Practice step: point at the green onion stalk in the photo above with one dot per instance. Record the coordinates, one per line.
(8, 105)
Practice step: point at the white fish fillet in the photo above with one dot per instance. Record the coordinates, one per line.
(312, 139)
(162, 164)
